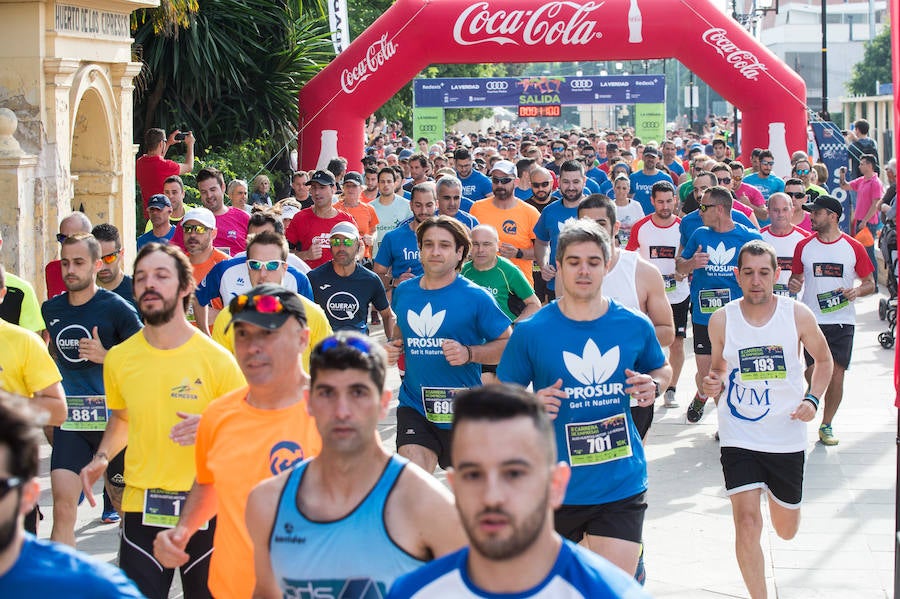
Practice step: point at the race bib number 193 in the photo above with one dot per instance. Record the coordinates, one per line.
(762, 363)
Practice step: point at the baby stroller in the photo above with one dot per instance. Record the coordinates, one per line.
(887, 307)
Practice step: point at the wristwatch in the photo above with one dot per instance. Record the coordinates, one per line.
(519, 253)
(658, 392)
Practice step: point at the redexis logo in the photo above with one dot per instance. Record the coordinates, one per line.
(284, 455)
(592, 369)
(720, 259)
(425, 325)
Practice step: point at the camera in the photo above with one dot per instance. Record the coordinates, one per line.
(182, 135)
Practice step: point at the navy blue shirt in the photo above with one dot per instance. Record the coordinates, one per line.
(346, 299)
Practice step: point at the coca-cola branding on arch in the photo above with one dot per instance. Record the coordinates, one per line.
(742, 60)
(563, 22)
(376, 55)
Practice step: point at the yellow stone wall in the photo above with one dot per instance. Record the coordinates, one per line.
(68, 77)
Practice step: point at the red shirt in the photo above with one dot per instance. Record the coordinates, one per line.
(54, 279)
(308, 229)
(151, 173)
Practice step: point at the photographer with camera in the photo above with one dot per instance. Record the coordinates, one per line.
(152, 169)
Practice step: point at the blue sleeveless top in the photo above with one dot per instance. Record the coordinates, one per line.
(350, 557)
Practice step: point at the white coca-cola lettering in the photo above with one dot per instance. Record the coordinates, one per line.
(376, 55)
(742, 60)
(545, 24)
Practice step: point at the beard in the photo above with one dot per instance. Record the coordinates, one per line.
(522, 537)
(76, 284)
(162, 315)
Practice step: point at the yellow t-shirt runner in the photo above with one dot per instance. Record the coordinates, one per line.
(152, 385)
(316, 320)
(25, 364)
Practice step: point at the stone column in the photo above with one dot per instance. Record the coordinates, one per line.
(17, 204)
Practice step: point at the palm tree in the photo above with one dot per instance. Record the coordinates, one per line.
(229, 70)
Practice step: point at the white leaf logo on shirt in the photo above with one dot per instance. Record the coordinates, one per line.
(563, 224)
(425, 324)
(592, 367)
(720, 256)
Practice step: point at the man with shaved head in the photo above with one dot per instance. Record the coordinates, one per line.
(77, 222)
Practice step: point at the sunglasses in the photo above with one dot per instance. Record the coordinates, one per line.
(8, 484)
(501, 180)
(269, 265)
(60, 237)
(330, 343)
(801, 172)
(768, 163)
(705, 207)
(198, 229)
(540, 183)
(556, 150)
(110, 258)
(346, 241)
(796, 194)
(264, 304)
(588, 156)
(725, 181)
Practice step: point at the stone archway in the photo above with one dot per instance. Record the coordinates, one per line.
(93, 164)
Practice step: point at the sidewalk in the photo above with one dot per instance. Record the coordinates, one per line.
(844, 548)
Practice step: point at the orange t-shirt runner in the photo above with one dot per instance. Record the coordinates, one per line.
(237, 447)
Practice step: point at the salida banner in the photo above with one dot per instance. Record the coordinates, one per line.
(461, 92)
(412, 34)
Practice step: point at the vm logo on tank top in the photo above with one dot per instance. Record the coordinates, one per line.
(749, 403)
(592, 369)
(425, 324)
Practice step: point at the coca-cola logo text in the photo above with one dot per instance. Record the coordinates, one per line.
(742, 60)
(376, 55)
(551, 23)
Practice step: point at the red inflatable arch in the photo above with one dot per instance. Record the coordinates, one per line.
(413, 34)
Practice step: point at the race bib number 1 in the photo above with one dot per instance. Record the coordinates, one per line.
(763, 363)
(832, 301)
(598, 441)
(163, 508)
(438, 403)
(713, 299)
(85, 413)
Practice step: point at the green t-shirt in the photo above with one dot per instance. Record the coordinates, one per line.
(501, 281)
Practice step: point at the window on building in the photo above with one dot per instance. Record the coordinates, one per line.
(808, 65)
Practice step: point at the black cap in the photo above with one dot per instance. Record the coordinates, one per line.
(827, 202)
(651, 151)
(322, 178)
(353, 176)
(267, 306)
(159, 201)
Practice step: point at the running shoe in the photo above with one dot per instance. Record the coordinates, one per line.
(826, 435)
(670, 398)
(110, 517)
(695, 410)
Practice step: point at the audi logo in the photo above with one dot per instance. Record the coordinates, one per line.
(496, 86)
(581, 84)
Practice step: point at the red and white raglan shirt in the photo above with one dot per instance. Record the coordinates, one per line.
(828, 268)
(659, 245)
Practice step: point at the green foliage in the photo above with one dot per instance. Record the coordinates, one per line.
(234, 73)
(875, 65)
(237, 161)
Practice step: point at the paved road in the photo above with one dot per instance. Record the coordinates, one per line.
(845, 545)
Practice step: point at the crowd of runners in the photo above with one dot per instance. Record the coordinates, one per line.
(533, 287)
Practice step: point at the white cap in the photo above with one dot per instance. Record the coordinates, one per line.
(204, 216)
